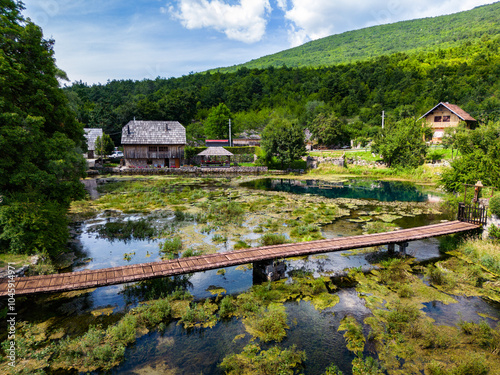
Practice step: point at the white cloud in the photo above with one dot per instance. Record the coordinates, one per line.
(282, 4)
(245, 22)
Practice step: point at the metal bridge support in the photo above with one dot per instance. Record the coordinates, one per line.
(268, 270)
(390, 248)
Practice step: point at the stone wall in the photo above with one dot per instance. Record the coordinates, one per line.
(494, 220)
(197, 171)
(314, 161)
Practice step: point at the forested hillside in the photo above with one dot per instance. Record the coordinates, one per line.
(401, 84)
(426, 34)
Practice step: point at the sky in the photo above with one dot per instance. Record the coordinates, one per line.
(101, 40)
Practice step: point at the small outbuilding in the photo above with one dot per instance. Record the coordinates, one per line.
(91, 135)
(157, 144)
(446, 115)
(215, 157)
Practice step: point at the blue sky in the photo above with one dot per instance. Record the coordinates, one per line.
(101, 40)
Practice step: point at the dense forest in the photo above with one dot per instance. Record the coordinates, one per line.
(403, 85)
(428, 34)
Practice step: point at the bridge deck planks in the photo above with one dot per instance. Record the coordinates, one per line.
(123, 274)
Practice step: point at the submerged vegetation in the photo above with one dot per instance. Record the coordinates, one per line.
(396, 337)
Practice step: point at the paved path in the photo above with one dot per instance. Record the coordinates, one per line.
(144, 271)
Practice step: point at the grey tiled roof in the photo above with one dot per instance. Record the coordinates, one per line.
(91, 135)
(154, 133)
(215, 151)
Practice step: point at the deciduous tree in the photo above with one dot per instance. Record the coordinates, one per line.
(284, 140)
(217, 123)
(40, 139)
(401, 144)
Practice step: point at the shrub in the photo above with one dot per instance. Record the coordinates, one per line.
(241, 245)
(495, 205)
(269, 239)
(171, 245)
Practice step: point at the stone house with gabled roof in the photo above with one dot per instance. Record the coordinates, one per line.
(446, 115)
(91, 136)
(156, 144)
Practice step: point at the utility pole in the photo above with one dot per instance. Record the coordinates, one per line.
(383, 118)
(230, 144)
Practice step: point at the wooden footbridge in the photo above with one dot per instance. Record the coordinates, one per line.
(137, 272)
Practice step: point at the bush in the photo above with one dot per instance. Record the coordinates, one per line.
(171, 245)
(495, 205)
(33, 227)
(269, 239)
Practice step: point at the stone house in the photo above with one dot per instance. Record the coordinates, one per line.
(91, 136)
(446, 115)
(156, 144)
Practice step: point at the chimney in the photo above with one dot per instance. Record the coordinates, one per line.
(166, 126)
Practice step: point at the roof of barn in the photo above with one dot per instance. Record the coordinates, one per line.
(154, 133)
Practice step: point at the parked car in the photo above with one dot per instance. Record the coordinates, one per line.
(116, 154)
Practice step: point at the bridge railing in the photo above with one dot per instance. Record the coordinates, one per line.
(472, 213)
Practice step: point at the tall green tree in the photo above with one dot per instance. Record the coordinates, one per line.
(329, 130)
(479, 158)
(402, 144)
(217, 123)
(284, 140)
(104, 145)
(40, 139)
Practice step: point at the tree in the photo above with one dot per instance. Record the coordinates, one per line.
(401, 144)
(217, 123)
(284, 140)
(329, 130)
(479, 158)
(40, 140)
(104, 145)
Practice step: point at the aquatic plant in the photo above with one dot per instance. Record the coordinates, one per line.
(253, 360)
(241, 245)
(333, 370)
(200, 315)
(219, 238)
(171, 245)
(400, 315)
(269, 239)
(353, 335)
(191, 253)
(306, 230)
(366, 366)
(482, 335)
(126, 230)
(469, 364)
(484, 252)
(268, 324)
(227, 307)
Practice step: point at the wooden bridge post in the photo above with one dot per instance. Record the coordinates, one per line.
(402, 247)
(390, 248)
(268, 270)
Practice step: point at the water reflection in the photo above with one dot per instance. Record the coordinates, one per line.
(385, 191)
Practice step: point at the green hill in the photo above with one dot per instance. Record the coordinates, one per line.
(426, 34)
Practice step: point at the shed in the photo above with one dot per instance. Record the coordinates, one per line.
(91, 135)
(215, 157)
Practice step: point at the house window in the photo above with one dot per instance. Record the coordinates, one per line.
(446, 118)
(437, 118)
(163, 148)
(152, 148)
